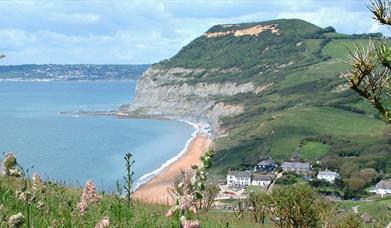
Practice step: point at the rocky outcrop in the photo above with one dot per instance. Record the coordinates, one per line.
(166, 92)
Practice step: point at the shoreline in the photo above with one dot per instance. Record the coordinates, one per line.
(155, 189)
(148, 187)
(144, 179)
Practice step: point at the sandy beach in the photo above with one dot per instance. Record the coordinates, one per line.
(155, 191)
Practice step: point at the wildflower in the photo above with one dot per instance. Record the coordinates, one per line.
(15, 173)
(53, 224)
(40, 204)
(82, 206)
(36, 182)
(104, 223)
(9, 160)
(16, 221)
(185, 204)
(88, 196)
(25, 196)
(9, 166)
(191, 224)
(172, 211)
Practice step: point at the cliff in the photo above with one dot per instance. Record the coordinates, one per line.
(266, 88)
(164, 92)
(181, 88)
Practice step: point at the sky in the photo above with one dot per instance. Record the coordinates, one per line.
(136, 32)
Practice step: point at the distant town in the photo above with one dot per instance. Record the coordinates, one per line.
(70, 72)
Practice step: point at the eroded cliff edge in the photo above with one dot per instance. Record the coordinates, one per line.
(170, 92)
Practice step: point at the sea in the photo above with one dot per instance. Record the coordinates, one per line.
(72, 149)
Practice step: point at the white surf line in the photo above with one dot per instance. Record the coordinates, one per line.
(147, 177)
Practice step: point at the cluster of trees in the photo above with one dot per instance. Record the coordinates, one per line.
(298, 206)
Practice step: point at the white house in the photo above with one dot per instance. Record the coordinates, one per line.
(242, 178)
(261, 180)
(382, 188)
(327, 175)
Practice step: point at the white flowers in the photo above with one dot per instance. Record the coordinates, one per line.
(36, 182)
(25, 196)
(9, 166)
(16, 221)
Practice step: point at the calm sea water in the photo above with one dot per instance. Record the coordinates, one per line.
(74, 149)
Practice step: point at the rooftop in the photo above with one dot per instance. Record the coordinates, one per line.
(262, 177)
(267, 161)
(242, 174)
(328, 173)
(385, 184)
(296, 165)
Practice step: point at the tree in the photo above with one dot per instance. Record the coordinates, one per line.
(259, 201)
(368, 174)
(293, 206)
(371, 65)
(210, 194)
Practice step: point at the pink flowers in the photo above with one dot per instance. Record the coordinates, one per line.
(191, 224)
(104, 223)
(88, 196)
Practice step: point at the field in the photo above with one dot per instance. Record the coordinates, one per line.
(310, 104)
(312, 151)
(378, 208)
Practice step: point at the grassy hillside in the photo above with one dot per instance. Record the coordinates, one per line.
(307, 102)
(56, 206)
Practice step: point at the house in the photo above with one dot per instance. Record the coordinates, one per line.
(265, 165)
(297, 167)
(327, 175)
(261, 180)
(241, 178)
(382, 188)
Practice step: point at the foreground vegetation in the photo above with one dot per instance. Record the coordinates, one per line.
(53, 205)
(56, 206)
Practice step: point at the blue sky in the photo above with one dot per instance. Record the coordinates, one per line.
(130, 32)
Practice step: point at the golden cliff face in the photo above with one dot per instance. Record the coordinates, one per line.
(252, 31)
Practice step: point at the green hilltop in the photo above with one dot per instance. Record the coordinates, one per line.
(308, 110)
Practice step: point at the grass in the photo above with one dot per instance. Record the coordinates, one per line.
(377, 208)
(313, 151)
(338, 49)
(60, 208)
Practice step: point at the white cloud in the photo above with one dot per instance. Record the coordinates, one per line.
(146, 31)
(343, 20)
(375, 27)
(15, 38)
(75, 17)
